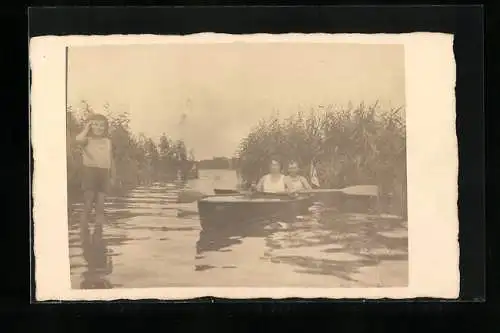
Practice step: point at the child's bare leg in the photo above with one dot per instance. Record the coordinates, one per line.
(87, 206)
(99, 209)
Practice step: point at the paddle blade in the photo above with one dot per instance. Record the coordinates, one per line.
(226, 191)
(188, 196)
(362, 190)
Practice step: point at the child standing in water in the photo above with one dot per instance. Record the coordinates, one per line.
(98, 171)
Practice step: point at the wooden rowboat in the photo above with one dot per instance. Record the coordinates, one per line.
(235, 211)
(230, 202)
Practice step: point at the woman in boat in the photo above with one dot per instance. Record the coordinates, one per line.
(295, 182)
(274, 181)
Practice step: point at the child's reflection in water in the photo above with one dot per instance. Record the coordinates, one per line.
(99, 263)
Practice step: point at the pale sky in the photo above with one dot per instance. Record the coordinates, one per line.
(225, 89)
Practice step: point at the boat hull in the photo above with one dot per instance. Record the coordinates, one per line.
(237, 212)
(348, 203)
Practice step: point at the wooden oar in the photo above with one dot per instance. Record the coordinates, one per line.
(189, 196)
(226, 191)
(362, 190)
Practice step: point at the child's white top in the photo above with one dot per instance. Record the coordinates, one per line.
(97, 153)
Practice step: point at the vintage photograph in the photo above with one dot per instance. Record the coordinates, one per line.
(237, 165)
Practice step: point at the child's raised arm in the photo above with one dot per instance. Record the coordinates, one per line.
(82, 137)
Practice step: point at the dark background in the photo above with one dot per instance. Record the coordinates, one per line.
(465, 22)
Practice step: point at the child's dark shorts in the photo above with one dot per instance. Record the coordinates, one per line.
(95, 179)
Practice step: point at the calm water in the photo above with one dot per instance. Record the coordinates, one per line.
(150, 241)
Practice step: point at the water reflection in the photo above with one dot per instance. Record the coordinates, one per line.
(209, 241)
(155, 242)
(221, 236)
(99, 262)
(340, 245)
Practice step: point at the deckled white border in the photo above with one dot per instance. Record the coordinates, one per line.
(431, 151)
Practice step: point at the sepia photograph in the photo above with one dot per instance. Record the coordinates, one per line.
(271, 164)
(212, 164)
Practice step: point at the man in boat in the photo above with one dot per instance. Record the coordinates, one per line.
(294, 181)
(274, 181)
